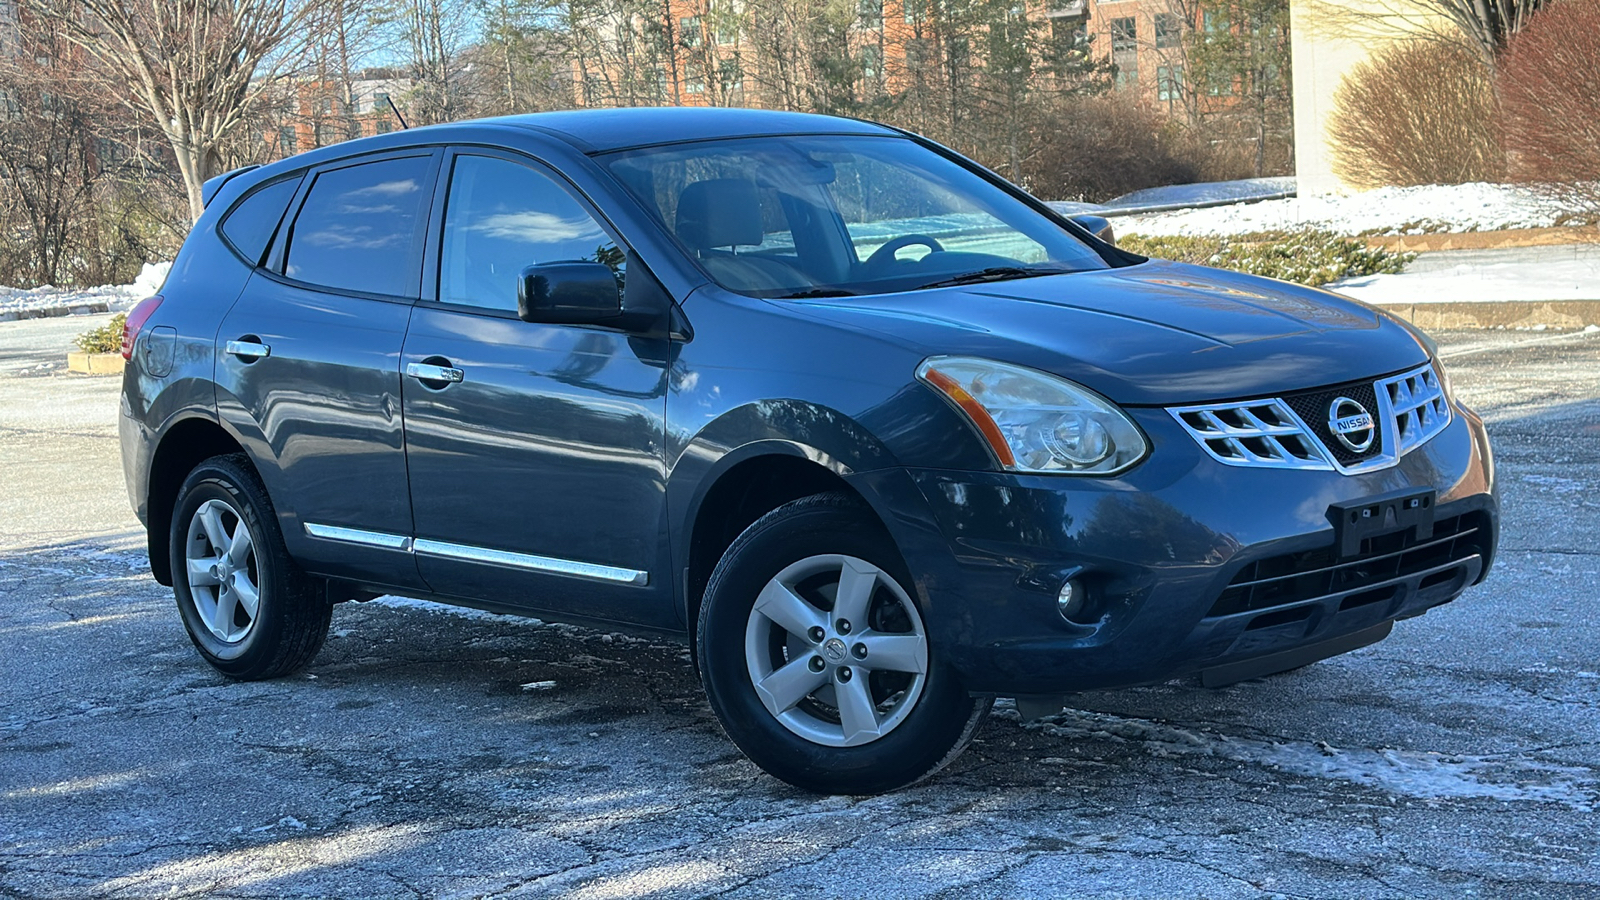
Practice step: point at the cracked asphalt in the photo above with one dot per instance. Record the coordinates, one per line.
(433, 754)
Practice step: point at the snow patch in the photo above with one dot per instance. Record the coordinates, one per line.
(465, 612)
(1406, 210)
(1575, 279)
(107, 298)
(1424, 775)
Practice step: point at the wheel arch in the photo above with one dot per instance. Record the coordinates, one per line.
(185, 444)
(747, 484)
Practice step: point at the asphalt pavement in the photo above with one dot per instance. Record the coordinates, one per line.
(428, 753)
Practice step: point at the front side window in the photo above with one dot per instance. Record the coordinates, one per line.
(504, 216)
(814, 216)
(357, 230)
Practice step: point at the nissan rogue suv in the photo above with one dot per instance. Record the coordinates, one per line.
(880, 435)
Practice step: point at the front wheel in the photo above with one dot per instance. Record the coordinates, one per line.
(816, 658)
(248, 608)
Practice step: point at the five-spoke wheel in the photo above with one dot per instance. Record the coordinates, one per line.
(836, 650)
(816, 656)
(248, 608)
(221, 564)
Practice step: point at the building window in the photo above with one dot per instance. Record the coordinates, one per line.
(1127, 76)
(913, 10)
(1169, 83)
(691, 31)
(871, 62)
(382, 126)
(380, 102)
(287, 142)
(870, 12)
(695, 86)
(1214, 22)
(1219, 85)
(1169, 31)
(1124, 34)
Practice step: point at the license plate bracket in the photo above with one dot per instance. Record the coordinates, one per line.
(1356, 520)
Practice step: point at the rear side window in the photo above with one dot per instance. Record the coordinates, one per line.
(357, 229)
(250, 225)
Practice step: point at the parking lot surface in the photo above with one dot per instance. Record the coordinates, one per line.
(433, 753)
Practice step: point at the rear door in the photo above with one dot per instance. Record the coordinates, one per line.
(537, 478)
(308, 367)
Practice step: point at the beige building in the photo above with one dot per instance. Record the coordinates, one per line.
(1329, 38)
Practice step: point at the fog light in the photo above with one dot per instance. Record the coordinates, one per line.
(1071, 599)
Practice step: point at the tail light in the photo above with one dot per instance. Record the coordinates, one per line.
(135, 323)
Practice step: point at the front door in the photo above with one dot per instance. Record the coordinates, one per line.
(535, 451)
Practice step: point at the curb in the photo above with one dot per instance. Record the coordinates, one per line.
(1498, 313)
(1482, 240)
(53, 312)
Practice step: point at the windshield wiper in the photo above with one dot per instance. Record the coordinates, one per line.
(995, 273)
(817, 292)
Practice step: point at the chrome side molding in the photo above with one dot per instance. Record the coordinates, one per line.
(358, 536)
(550, 564)
(447, 550)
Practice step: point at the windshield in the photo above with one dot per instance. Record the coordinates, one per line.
(817, 216)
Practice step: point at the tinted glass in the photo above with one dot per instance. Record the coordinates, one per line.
(250, 225)
(502, 217)
(810, 216)
(357, 229)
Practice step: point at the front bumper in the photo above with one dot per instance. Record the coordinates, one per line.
(1192, 565)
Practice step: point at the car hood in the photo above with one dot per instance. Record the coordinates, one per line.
(1158, 333)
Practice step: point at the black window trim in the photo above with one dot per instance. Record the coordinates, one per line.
(433, 252)
(277, 254)
(277, 227)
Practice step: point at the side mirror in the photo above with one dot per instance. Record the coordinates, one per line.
(569, 293)
(1099, 226)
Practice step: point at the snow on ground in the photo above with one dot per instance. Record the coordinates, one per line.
(1240, 191)
(1408, 210)
(1536, 278)
(109, 298)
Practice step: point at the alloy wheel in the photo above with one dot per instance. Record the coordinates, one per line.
(836, 650)
(223, 572)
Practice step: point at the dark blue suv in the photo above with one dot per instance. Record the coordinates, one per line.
(880, 434)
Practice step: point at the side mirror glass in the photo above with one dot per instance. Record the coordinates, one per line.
(1099, 226)
(569, 293)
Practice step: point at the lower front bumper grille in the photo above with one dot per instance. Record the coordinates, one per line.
(1294, 578)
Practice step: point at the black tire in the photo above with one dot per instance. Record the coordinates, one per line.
(292, 613)
(942, 719)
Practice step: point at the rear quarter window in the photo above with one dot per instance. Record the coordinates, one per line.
(252, 222)
(358, 227)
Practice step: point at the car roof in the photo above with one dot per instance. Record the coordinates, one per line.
(586, 130)
(602, 130)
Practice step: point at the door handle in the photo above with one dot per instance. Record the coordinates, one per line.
(248, 349)
(431, 372)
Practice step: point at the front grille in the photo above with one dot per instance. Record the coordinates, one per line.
(1418, 404)
(1296, 577)
(1293, 431)
(1312, 408)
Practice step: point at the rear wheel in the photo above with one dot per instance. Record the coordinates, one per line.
(816, 658)
(248, 608)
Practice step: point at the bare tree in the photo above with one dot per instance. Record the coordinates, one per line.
(1550, 85)
(196, 67)
(1485, 26)
(432, 36)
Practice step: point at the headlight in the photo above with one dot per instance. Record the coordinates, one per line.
(1036, 422)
